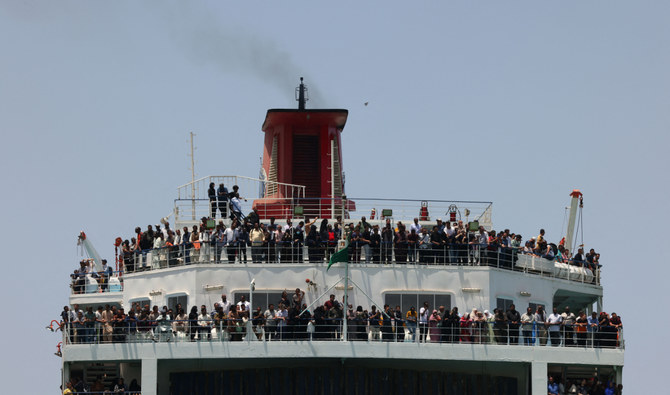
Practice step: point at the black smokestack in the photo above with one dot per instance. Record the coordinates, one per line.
(301, 93)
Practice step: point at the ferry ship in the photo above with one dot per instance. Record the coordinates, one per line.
(318, 343)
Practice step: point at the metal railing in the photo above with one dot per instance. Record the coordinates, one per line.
(292, 204)
(308, 328)
(90, 283)
(193, 201)
(396, 253)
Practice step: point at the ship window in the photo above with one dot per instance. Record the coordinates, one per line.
(504, 304)
(407, 300)
(174, 300)
(141, 302)
(534, 306)
(261, 299)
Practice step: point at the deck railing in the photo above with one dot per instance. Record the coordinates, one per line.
(291, 203)
(389, 253)
(331, 329)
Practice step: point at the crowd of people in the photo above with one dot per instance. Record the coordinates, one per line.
(591, 386)
(291, 318)
(246, 239)
(76, 385)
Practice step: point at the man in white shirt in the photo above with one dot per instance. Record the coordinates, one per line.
(163, 326)
(225, 303)
(243, 302)
(554, 322)
(416, 226)
(450, 233)
(204, 324)
(424, 313)
(568, 326)
(270, 321)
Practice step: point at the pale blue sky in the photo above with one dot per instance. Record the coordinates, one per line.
(513, 102)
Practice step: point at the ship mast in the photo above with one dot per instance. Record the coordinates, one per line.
(192, 178)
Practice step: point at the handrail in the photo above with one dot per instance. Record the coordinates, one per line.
(308, 253)
(312, 328)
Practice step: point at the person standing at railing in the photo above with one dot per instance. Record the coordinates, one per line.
(282, 321)
(450, 321)
(158, 255)
(424, 314)
(204, 324)
(270, 316)
(434, 327)
(513, 319)
(205, 243)
(387, 242)
(400, 244)
(387, 324)
(375, 243)
(163, 327)
(256, 237)
(410, 321)
(500, 326)
(541, 325)
(527, 320)
(449, 234)
(222, 201)
(242, 237)
(298, 240)
(568, 329)
(312, 241)
(89, 324)
(399, 322)
(436, 246)
(364, 241)
(195, 244)
(105, 275)
(180, 324)
(375, 318)
(554, 323)
(581, 326)
(412, 245)
(211, 192)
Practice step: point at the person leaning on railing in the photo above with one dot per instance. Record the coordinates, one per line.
(527, 320)
(581, 327)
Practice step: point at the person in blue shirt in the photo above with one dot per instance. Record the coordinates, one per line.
(552, 387)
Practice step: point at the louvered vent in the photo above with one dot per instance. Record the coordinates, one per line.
(272, 176)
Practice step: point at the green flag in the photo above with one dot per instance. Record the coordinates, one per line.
(340, 256)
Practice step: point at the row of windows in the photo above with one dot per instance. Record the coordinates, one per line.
(404, 300)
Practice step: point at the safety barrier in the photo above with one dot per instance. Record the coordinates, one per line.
(308, 328)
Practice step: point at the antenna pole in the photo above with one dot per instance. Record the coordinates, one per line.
(192, 179)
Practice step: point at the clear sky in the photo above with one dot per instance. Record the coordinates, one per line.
(516, 102)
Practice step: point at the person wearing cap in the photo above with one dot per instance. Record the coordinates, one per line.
(440, 225)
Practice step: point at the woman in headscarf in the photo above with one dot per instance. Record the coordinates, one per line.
(434, 322)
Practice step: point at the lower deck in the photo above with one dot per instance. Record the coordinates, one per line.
(333, 367)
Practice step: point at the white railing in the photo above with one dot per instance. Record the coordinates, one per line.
(193, 202)
(311, 328)
(301, 252)
(88, 283)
